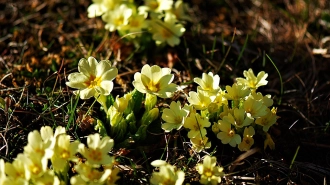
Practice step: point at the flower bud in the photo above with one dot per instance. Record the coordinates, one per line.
(121, 103)
(150, 116)
(150, 101)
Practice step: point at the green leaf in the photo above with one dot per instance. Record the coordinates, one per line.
(137, 99)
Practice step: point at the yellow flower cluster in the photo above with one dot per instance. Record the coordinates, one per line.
(32, 166)
(163, 19)
(237, 113)
(245, 113)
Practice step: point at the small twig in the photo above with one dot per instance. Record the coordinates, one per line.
(6, 144)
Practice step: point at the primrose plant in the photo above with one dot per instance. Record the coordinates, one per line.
(162, 20)
(234, 114)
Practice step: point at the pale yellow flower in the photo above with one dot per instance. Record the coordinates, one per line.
(118, 18)
(136, 23)
(180, 11)
(64, 151)
(199, 143)
(167, 175)
(158, 5)
(196, 125)
(208, 83)
(266, 100)
(99, 7)
(253, 81)
(35, 165)
(239, 119)
(269, 142)
(236, 92)
(167, 31)
(227, 134)
(209, 171)
(254, 107)
(200, 99)
(93, 78)
(215, 128)
(38, 146)
(155, 80)
(97, 151)
(220, 98)
(267, 120)
(174, 116)
(247, 140)
(48, 136)
(16, 169)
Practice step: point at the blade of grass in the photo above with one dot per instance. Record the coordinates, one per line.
(223, 44)
(281, 81)
(146, 159)
(294, 157)
(243, 49)
(71, 111)
(213, 47)
(263, 59)
(224, 58)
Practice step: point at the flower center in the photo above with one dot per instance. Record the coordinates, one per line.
(40, 151)
(135, 23)
(35, 169)
(208, 173)
(153, 87)
(65, 154)
(231, 133)
(95, 155)
(93, 82)
(247, 140)
(166, 33)
(119, 21)
(239, 122)
(178, 119)
(263, 121)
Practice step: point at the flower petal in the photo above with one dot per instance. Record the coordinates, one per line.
(103, 67)
(87, 67)
(77, 80)
(146, 70)
(156, 73)
(106, 87)
(165, 81)
(87, 93)
(110, 74)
